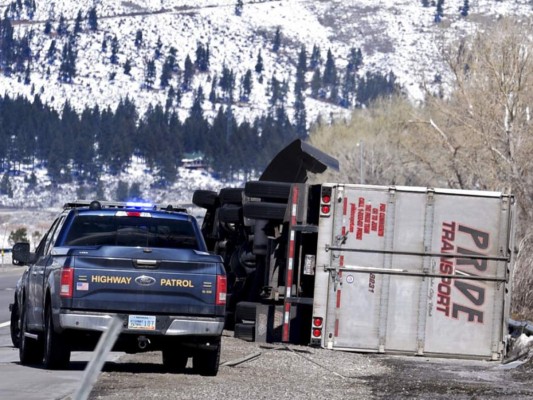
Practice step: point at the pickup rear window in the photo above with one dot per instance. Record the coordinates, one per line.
(97, 230)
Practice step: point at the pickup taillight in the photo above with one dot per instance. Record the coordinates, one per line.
(67, 282)
(221, 290)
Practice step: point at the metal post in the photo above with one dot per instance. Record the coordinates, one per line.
(104, 346)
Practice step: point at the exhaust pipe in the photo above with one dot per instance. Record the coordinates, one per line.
(142, 342)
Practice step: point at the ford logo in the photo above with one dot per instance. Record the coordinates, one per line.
(145, 280)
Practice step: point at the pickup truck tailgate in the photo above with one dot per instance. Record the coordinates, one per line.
(171, 282)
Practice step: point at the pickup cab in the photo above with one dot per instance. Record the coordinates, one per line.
(145, 264)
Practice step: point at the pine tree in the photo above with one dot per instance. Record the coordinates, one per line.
(114, 50)
(62, 27)
(329, 78)
(202, 58)
(277, 40)
(67, 69)
(93, 19)
(188, 73)
(127, 66)
(122, 192)
(439, 12)
(138, 38)
(316, 60)
(47, 27)
(158, 47)
(246, 86)
(316, 84)
(465, 8)
(149, 74)
(301, 69)
(77, 24)
(239, 7)
(259, 64)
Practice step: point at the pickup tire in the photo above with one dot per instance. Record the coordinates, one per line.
(173, 359)
(231, 196)
(30, 350)
(56, 348)
(204, 198)
(269, 191)
(264, 210)
(206, 361)
(15, 325)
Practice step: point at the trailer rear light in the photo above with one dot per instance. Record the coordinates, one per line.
(325, 202)
(317, 332)
(221, 290)
(67, 282)
(317, 322)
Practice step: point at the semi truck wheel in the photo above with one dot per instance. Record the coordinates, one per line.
(231, 195)
(264, 210)
(230, 213)
(245, 311)
(204, 198)
(269, 191)
(245, 331)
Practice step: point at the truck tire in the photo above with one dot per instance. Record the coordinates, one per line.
(30, 350)
(245, 311)
(264, 210)
(56, 347)
(244, 331)
(204, 198)
(269, 191)
(15, 325)
(173, 359)
(230, 213)
(231, 196)
(206, 362)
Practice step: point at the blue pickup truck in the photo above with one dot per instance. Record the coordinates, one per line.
(145, 264)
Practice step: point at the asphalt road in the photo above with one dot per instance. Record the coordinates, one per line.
(18, 382)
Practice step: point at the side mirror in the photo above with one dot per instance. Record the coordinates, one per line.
(21, 253)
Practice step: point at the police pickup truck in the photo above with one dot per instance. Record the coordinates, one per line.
(145, 264)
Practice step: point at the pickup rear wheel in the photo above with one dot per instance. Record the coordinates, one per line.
(15, 325)
(173, 359)
(30, 350)
(56, 348)
(206, 361)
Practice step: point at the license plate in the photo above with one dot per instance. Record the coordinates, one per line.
(142, 322)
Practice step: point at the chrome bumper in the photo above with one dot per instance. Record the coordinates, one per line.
(179, 326)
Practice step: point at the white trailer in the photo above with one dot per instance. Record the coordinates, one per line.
(413, 271)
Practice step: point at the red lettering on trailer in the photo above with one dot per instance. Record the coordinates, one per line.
(381, 226)
(353, 210)
(368, 217)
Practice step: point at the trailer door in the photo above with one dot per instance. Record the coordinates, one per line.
(417, 271)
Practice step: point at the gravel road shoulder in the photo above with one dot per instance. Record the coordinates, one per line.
(299, 372)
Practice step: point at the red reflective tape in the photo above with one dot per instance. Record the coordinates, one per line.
(341, 263)
(336, 328)
(339, 298)
(345, 206)
(353, 210)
